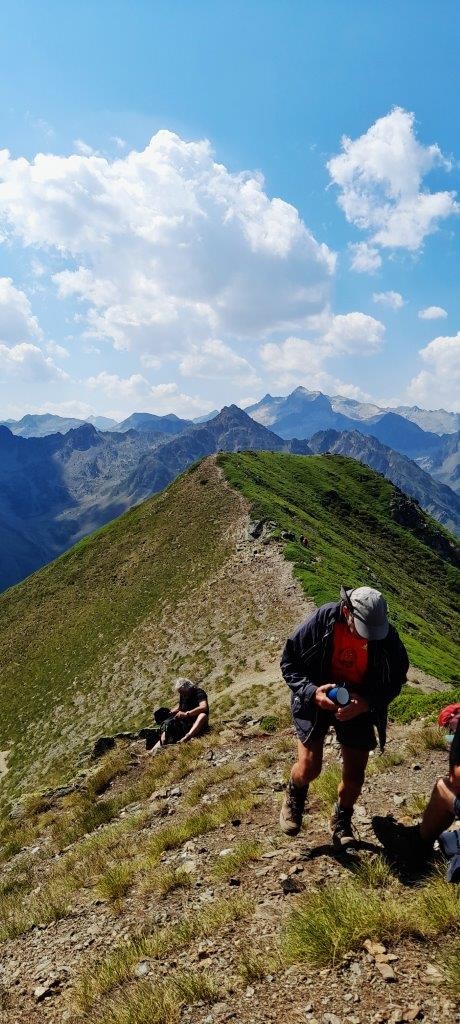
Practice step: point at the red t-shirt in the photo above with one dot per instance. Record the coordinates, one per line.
(349, 656)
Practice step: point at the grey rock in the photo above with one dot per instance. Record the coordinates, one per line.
(142, 969)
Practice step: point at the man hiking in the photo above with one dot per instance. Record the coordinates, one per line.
(349, 644)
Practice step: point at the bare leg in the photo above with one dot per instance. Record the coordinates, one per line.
(353, 771)
(306, 768)
(197, 727)
(309, 762)
(439, 813)
(158, 746)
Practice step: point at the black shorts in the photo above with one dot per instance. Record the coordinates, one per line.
(457, 807)
(358, 733)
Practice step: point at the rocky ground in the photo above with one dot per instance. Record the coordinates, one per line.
(401, 981)
(91, 897)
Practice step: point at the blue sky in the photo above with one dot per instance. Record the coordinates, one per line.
(244, 249)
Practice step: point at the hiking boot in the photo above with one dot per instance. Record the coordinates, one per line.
(409, 847)
(292, 808)
(342, 830)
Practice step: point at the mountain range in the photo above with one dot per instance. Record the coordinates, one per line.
(410, 431)
(313, 409)
(56, 489)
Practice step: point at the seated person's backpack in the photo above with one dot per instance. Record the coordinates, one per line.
(152, 736)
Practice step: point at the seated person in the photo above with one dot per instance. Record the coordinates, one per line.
(188, 718)
(415, 843)
(444, 804)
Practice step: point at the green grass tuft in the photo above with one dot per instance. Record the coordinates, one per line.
(325, 787)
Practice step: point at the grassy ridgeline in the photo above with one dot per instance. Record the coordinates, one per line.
(64, 629)
(74, 660)
(343, 509)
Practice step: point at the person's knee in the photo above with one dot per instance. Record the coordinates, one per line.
(445, 792)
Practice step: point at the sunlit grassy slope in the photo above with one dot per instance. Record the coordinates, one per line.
(64, 630)
(343, 509)
(69, 621)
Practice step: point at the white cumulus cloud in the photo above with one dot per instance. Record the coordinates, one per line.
(59, 351)
(137, 393)
(432, 313)
(17, 322)
(168, 249)
(298, 359)
(213, 359)
(392, 299)
(364, 258)
(28, 362)
(380, 177)
(439, 383)
(353, 333)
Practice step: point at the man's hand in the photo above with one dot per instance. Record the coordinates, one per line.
(181, 714)
(321, 698)
(357, 706)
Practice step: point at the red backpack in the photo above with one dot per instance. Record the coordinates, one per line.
(449, 716)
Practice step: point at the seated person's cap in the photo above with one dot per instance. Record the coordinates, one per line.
(369, 610)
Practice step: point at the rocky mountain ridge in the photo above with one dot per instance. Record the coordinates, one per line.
(57, 489)
(440, 501)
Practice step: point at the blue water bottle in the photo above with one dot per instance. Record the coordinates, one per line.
(340, 695)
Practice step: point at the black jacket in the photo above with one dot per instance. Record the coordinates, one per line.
(306, 664)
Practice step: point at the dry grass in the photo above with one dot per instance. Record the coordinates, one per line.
(416, 804)
(254, 964)
(325, 786)
(328, 923)
(374, 872)
(427, 737)
(449, 963)
(384, 762)
(158, 1002)
(172, 836)
(165, 880)
(230, 863)
(117, 762)
(115, 882)
(109, 861)
(47, 905)
(116, 967)
(210, 778)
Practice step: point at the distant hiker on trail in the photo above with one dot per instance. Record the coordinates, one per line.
(344, 665)
(185, 721)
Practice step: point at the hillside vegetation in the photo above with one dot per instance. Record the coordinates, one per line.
(160, 890)
(92, 641)
(348, 516)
